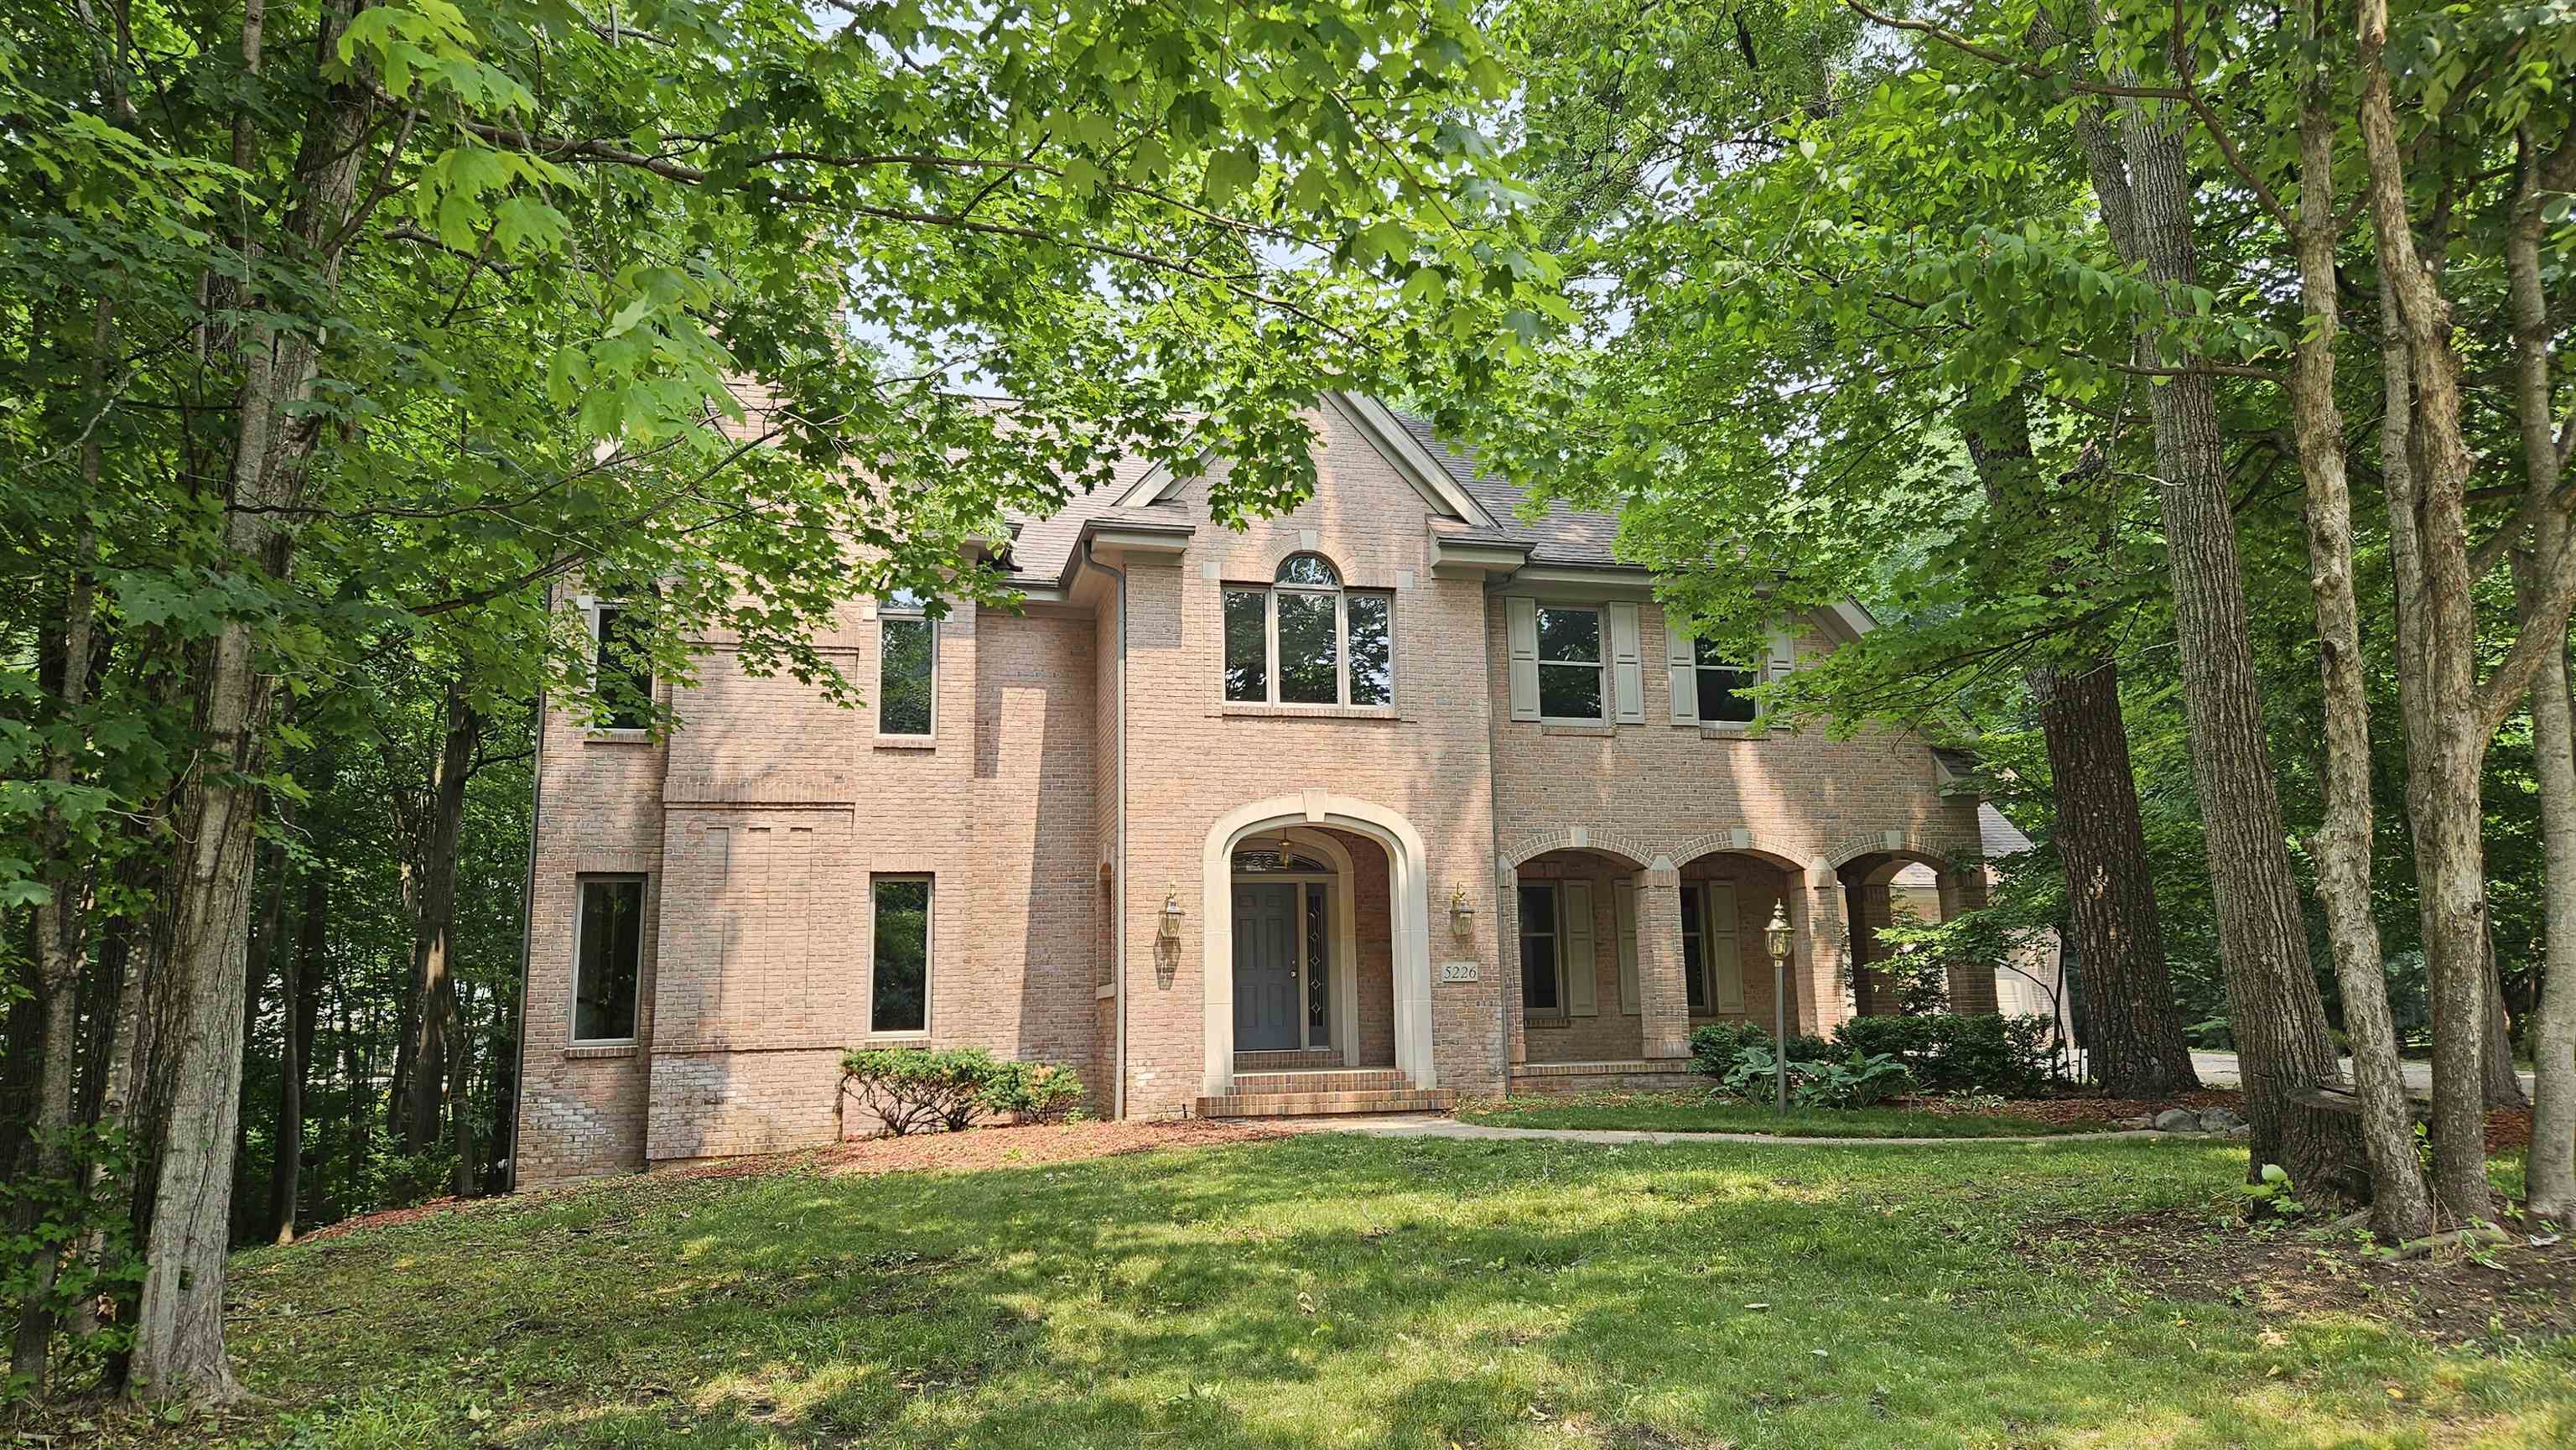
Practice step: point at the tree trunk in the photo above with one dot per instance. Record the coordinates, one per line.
(2135, 1041)
(2401, 1208)
(2144, 184)
(2446, 741)
(179, 1325)
(434, 933)
(2550, 1172)
(2503, 1082)
(2136, 1047)
(300, 976)
(270, 924)
(466, 1181)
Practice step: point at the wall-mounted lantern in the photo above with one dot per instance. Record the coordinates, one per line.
(1171, 928)
(1462, 917)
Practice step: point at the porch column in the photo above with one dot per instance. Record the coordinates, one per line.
(1972, 984)
(1507, 965)
(1823, 944)
(1663, 1002)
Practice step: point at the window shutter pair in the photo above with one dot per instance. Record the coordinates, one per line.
(1582, 958)
(1725, 964)
(1626, 900)
(1521, 623)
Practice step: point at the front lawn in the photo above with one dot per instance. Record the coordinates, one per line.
(1330, 1290)
(1699, 1112)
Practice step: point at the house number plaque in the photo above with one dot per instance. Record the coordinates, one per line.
(1457, 971)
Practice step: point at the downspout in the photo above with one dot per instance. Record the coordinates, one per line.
(1118, 930)
(1494, 820)
(528, 926)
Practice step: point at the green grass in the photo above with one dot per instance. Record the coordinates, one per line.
(1332, 1290)
(1699, 1113)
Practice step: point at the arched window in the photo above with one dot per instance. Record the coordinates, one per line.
(1308, 569)
(1306, 640)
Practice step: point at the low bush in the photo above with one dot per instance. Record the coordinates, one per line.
(917, 1089)
(1716, 1047)
(1033, 1092)
(1952, 1052)
(1858, 1081)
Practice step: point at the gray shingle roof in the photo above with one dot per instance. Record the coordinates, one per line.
(1561, 536)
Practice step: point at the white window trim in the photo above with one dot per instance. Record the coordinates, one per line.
(887, 612)
(1270, 670)
(592, 607)
(1564, 1008)
(572, 988)
(929, 953)
(1601, 646)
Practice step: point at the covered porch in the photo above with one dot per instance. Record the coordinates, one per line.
(1615, 952)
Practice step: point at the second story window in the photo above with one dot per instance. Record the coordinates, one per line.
(1570, 672)
(907, 667)
(621, 667)
(1722, 686)
(1305, 640)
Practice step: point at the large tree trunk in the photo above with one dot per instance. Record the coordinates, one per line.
(2437, 622)
(2136, 1046)
(2503, 1082)
(2144, 183)
(179, 1325)
(2134, 1026)
(466, 1180)
(2401, 1208)
(434, 934)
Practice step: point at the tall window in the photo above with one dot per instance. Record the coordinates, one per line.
(1541, 982)
(907, 667)
(621, 668)
(1571, 680)
(1306, 640)
(608, 952)
(899, 984)
(1695, 947)
(1722, 683)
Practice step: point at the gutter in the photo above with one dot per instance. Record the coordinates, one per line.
(1118, 933)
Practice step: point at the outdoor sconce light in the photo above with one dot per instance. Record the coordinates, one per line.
(1171, 929)
(1776, 936)
(1462, 917)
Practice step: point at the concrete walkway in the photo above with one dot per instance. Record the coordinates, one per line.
(2221, 1070)
(1428, 1125)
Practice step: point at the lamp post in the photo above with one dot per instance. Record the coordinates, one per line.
(1777, 938)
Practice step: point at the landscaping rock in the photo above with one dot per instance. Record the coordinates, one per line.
(2177, 1120)
(2142, 1120)
(2220, 1120)
(2241, 1132)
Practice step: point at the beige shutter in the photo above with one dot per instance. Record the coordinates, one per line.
(1725, 963)
(1685, 677)
(1521, 624)
(1784, 652)
(1626, 900)
(1627, 681)
(1582, 958)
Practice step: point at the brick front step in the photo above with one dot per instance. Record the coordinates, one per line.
(1300, 1105)
(1348, 1080)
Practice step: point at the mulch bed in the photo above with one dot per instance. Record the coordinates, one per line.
(980, 1148)
(2453, 1295)
(2508, 1129)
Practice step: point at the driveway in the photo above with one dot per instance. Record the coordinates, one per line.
(2220, 1070)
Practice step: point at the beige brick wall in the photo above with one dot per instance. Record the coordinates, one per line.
(762, 820)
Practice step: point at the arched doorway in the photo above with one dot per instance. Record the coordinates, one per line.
(1303, 825)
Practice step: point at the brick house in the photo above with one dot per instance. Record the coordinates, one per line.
(1391, 798)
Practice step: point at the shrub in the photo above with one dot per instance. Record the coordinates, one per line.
(916, 1089)
(1824, 1082)
(1716, 1047)
(1033, 1092)
(1949, 1052)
